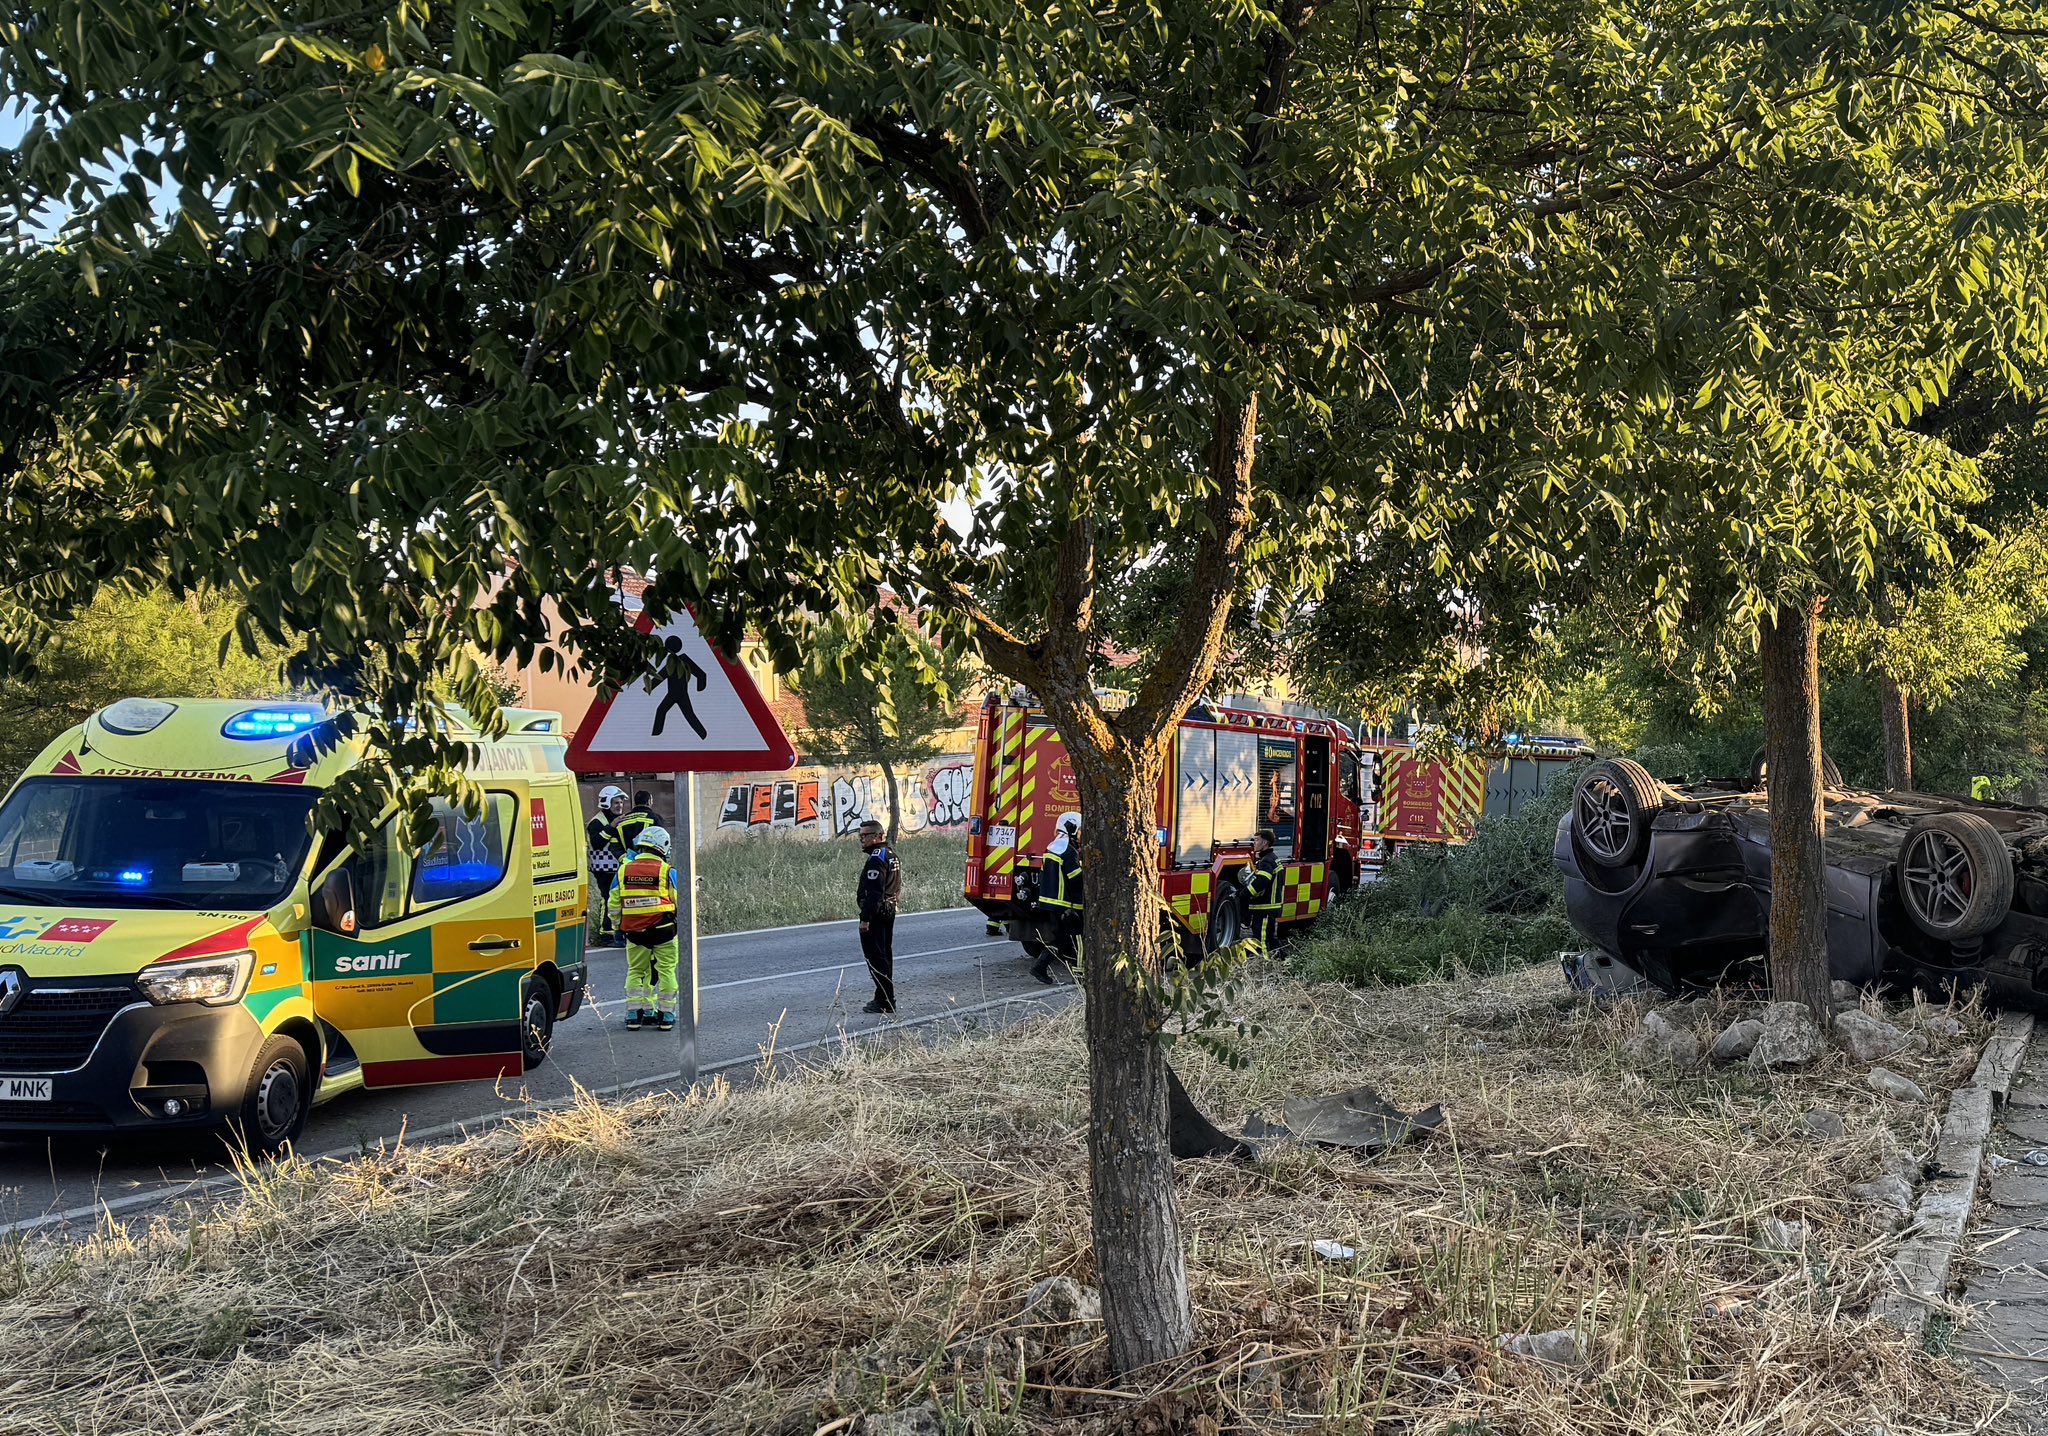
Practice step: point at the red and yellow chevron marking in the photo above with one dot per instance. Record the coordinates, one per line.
(1302, 888)
(1464, 796)
(1007, 789)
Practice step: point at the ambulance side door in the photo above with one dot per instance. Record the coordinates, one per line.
(421, 964)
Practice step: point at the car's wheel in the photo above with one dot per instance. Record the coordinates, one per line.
(1955, 876)
(536, 1019)
(1760, 772)
(275, 1100)
(1612, 809)
(1226, 923)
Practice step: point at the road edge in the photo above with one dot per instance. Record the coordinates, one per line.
(1920, 1270)
(464, 1127)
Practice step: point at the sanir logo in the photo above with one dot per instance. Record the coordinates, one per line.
(393, 961)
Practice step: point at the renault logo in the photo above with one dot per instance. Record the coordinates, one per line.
(10, 989)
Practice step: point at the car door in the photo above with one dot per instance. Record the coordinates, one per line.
(425, 983)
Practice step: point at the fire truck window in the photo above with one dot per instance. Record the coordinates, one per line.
(1347, 777)
(1279, 779)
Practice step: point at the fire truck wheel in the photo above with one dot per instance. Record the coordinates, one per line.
(1226, 923)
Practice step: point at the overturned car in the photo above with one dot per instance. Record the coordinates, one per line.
(1674, 884)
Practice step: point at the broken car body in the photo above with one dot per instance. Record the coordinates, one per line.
(1675, 883)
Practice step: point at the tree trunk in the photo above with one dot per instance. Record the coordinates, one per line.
(1799, 913)
(1895, 703)
(1139, 1258)
(895, 796)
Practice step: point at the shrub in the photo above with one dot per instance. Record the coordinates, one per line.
(1493, 903)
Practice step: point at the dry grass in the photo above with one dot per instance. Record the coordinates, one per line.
(797, 1255)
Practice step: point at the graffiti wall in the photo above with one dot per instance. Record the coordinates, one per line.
(833, 803)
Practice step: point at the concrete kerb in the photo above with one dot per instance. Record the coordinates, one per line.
(1920, 1271)
(471, 1126)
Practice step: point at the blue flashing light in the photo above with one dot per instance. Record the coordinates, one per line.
(462, 873)
(132, 877)
(271, 723)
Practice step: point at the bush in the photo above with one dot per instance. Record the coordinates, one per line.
(1493, 903)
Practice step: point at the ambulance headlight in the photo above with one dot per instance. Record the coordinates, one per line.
(215, 981)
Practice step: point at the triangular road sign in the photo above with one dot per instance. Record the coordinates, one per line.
(701, 714)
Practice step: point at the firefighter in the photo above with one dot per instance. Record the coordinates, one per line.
(607, 849)
(639, 820)
(1262, 890)
(879, 892)
(1343, 870)
(1060, 889)
(643, 909)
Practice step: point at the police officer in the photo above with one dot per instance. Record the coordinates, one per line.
(643, 908)
(639, 820)
(1060, 889)
(879, 892)
(1262, 889)
(607, 851)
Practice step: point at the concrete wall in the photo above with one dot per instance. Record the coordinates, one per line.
(811, 803)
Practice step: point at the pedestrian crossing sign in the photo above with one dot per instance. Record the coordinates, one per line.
(696, 712)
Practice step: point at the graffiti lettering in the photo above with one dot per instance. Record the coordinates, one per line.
(951, 788)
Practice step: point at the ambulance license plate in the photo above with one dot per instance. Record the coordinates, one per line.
(24, 1089)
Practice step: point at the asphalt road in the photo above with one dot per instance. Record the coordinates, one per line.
(793, 991)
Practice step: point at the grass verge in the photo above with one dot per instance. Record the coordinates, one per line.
(1485, 906)
(779, 883)
(822, 1248)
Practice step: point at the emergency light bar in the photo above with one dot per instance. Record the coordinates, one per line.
(261, 723)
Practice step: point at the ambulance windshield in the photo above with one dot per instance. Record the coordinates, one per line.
(149, 842)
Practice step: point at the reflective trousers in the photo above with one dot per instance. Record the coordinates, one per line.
(648, 965)
(1265, 924)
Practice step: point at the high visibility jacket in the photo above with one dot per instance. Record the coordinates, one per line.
(1059, 880)
(646, 899)
(1262, 884)
(631, 826)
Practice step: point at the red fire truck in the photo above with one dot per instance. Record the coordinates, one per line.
(1230, 771)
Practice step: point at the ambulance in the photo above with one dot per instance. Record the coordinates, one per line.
(179, 951)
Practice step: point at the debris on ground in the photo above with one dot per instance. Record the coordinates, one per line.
(1060, 1301)
(1891, 1084)
(1782, 1236)
(1602, 974)
(1659, 1042)
(1890, 1191)
(1823, 1123)
(1360, 1120)
(1791, 1038)
(2036, 1158)
(1557, 1348)
(1738, 1041)
(1872, 1039)
(1332, 1251)
(910, 1421)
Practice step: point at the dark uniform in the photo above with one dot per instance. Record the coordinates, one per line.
(1343, 870)
(607, 850)
(1262, 895)
(1060, 888)
(636, 822)
(881, 887)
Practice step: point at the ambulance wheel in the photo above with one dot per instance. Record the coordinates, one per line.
(536, 1019)
(275, 1100)
(1226, 923)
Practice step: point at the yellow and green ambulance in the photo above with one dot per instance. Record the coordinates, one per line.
(177, 951)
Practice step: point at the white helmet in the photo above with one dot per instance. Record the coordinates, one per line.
(1071, 822)
(655, 840)
(606, 796)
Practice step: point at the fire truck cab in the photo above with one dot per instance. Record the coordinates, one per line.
(1230, 771)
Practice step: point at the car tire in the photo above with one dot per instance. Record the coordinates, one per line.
(1830, 772)
(537, 1003)
(1226, 924)
(1612, 808)
(1955, 876)
(275, 1100)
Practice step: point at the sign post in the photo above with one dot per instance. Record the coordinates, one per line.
(697, 712)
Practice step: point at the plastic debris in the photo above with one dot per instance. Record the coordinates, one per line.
(1359, 1119)
(1332, 1251)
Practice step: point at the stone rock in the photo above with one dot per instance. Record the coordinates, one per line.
(1823, 1123)
(1660, 1042)
(1842, 991)
(1889, 1191)
(1060, 1301)
(1891, 1084)
(1936, 1024)
(1558, 1348)
(1780, 1236)
(1791, 1038)
(1738, 1041)
(910, 1421)
(1872, 1039)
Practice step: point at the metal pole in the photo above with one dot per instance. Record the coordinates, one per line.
(686, 923)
